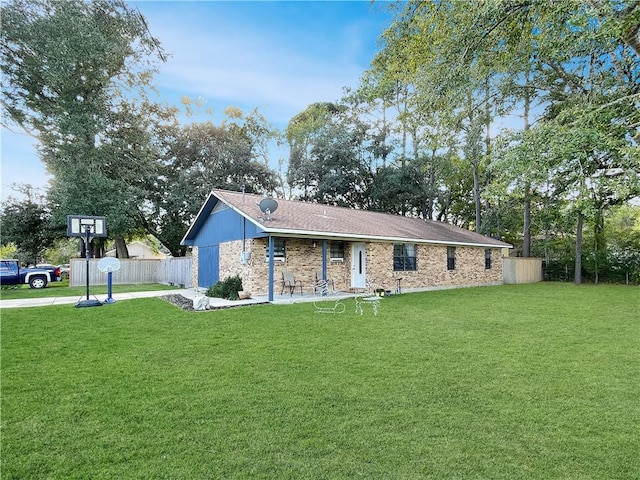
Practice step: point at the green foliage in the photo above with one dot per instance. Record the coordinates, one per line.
(328, 162)
(83, 96)
(531, 382)
(570, 69)
(8, 250)
(62, 251)
(622, 247)
(25, 224)
(198, 157)
(612, 256)
(227, 288)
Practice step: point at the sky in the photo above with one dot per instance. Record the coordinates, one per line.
(276, 56)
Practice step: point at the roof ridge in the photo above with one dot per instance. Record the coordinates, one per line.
(324, 205)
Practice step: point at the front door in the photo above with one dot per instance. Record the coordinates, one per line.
(358, 266)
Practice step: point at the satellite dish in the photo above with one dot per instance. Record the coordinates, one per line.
(108, 264)
(268, 206)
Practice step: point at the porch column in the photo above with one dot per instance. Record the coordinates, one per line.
(324, 259)
(271, 272)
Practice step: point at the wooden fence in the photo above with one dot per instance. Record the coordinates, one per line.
(521, 270)
(175, 271)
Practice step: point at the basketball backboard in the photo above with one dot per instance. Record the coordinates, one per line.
(77, 226)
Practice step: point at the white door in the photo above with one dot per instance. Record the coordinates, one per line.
(358, 266)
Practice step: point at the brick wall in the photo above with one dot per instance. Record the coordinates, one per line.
(303, 260)
(432, 267)
(230, 265)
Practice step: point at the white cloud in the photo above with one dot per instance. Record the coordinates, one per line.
(278, 57)
(244, 64)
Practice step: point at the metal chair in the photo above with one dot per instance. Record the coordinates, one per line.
(289, 281)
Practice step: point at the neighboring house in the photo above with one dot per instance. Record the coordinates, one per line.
(355, 248)
(141, 250)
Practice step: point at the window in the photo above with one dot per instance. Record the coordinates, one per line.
(404, 257)
(487, 258)
(337, 251)
(451, 258)
(279, 250)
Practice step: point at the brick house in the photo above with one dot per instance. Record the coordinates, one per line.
(231, 235)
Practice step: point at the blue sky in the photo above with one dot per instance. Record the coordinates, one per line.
(278, 57)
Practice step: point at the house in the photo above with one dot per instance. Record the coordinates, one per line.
(138, 249)
(258, 239)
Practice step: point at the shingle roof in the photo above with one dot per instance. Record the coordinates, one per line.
(298, 218)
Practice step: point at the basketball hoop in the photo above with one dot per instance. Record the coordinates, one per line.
(86, 227)
(109, 265)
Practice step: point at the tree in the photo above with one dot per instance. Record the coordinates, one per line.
(579, 61)
(448, 94)
(329, 162)
(623, 243)
(71, 70)
(302, 133)
(25, 224)
(197, 158)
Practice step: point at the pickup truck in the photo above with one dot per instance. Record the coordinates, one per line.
(12, 274)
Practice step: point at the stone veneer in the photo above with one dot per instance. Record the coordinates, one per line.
(303, 260)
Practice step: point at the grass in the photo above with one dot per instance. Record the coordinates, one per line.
(514, 382)
(62, 289)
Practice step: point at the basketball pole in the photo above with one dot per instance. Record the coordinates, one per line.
(109, 286)
(86, 227)
(87, 241)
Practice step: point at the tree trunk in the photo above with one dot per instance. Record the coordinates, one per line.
(526, 234)
(631, 38)
(476, 195)
(121, 248)
(431, 188)
(96, 247)
(487, 153)
(577, 275)
(600, 244)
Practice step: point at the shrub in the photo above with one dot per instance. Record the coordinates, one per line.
(227, 288)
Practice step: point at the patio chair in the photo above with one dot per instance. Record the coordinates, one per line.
(289, 282)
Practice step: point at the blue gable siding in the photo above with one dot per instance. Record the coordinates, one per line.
(225, 226)
(221, 226)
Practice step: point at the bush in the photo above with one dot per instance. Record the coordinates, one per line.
(227, 288)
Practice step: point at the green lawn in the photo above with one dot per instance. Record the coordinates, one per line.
(62, 289)
(514, 382)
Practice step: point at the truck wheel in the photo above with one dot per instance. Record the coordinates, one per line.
(38, 282)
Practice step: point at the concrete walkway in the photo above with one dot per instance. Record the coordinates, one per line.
(189, 293)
